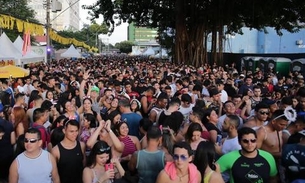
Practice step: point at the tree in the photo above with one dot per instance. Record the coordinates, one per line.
(17, 9)
(125, 46)
(193, 21)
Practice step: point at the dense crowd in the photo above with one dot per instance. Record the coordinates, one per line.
(136, 119)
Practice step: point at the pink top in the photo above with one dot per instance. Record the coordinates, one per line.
(171, 171)
(129, 148)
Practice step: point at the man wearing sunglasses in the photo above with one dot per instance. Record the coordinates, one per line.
(248, 164)
(181, 170)
(262, 112)
(34, 164)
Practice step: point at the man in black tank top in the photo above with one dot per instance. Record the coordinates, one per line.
(70, 155)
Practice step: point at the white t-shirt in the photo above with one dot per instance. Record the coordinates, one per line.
(186, 112)
(230, 145)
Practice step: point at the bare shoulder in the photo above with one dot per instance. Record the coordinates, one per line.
(199, 176)
(216, 177)
(55, 152)
(134, 138)
(163, 177)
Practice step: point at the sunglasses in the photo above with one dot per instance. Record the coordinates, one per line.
(103, 150)
(246, 141)
(262, 113)
(182, 157)
(30, 140)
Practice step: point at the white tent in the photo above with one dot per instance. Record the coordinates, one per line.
(18, 43)
(7, 49)
(136, 52)
(71, 52)
(164, 54)
(149, 51)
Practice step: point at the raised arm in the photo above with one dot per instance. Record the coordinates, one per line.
(118, 145)
(83, 83)
(92, 140)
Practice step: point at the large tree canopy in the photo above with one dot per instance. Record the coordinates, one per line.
(192, 21)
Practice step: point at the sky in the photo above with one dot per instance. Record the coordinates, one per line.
(119, 34)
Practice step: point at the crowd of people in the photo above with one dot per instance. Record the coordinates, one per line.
(134, 119)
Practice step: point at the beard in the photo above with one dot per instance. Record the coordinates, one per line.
(247, 151)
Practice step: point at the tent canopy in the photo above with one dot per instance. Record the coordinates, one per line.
(7, 49)
(18, 43)
(71, 52)
(149, 51)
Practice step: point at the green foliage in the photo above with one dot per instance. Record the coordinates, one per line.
(17, 9)
(193, 20)
(125, 46)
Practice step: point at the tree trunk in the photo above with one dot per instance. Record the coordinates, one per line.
(197, 49)
(181, 37)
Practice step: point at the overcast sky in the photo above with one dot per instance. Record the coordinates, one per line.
(119, 34)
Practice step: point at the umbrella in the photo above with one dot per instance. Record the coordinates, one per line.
(13, 71)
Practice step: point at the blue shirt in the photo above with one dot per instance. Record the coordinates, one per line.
(133, 122)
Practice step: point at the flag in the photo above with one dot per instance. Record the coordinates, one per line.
(26, 42)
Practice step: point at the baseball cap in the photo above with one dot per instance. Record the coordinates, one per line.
(96, 89)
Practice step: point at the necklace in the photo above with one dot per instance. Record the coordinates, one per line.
(180, 177)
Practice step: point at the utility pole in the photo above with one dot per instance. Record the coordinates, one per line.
(56, 6)
(48, 25)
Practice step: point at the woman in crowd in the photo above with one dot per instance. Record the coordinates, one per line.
(50, 96)
(59, 121)
(70, 111)
(193, 135)
(210, 120)
(135, 106)
(113, 105)
(87, 109)
(87, 128)
(168, 140)
(100, 167)
(131, 143)
(205, 163)
(104, 133)
(33, 95)
(20, 120)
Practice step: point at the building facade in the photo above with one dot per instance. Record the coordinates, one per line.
(141, 34)
(67, 20)
(254, 41)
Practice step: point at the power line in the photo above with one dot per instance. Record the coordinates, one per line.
(70, 5)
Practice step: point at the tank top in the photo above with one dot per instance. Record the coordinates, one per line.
(207, 177)
(70, 164)
(96, 179)
(34, 170)
(158, 111)
(129, 147)
(149, 164)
